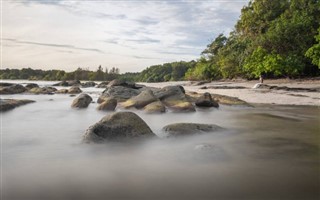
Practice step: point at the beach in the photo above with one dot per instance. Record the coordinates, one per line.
(244, 90)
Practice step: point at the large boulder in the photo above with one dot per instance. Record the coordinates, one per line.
(175, 99)
(182, 129)
(12, 89)
(74, 90)
(44, 90)
(118, 92)
(82, 101)
(117, 126)
(206, 101)
(155, 107)
(109, 104)
(141, 100)
(9, 104)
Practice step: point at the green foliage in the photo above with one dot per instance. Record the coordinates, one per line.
(174, 71)
(314, 52)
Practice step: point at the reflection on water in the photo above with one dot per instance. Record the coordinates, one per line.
(267, 152)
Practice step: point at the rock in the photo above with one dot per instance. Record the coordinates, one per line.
(155, 107)
(44, 90)
(72, 95)
(118, 92)
(206, 101)
(82, 101)
(74, 90)
(68, 83)
(108, 104)
(62, 91)
(181, 129)
(227, 100)
(116, 126)
(103, 84)
(174, 98)
(9, 104)
(62, 83)
(88, 84)
(141, 100)
(117, 82)
(12, 89)
(29, 86)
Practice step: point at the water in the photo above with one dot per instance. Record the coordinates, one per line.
(267, 152)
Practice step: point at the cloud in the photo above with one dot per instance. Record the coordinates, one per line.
(123, 33)
(53, 45)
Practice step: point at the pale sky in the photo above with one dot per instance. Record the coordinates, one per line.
(128, 34)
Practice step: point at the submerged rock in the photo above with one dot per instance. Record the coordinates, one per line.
(82, 101)
(206, 101)
(116, 126)
(62, 91)
(182, 129)
(12, 89)
(109, 104)
(9, 104)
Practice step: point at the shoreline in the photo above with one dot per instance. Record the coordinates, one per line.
(244, 91)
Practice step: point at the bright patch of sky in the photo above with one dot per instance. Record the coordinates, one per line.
(130, 35)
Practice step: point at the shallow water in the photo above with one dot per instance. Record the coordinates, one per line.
(266, 152)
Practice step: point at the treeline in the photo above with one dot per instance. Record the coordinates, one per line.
(174, 71)
(272, 38)
(53, 75)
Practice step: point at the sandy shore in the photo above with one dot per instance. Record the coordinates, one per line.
(244, 90)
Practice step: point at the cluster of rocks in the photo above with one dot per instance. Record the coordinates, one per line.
(128, 125)
(152, 100)
(285, 88)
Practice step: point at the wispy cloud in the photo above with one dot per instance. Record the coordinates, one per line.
(127, 34)
(52, 45)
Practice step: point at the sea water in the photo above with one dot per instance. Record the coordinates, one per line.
(265, 152)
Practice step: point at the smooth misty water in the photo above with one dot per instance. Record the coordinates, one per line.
(267, 152)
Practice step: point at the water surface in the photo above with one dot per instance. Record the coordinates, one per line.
(266, 152)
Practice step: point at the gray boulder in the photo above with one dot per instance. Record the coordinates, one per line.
(118, 92)
(182, 129)
(9, 104)
(82, 101)
(141, 100)
(109, 104)
(12, 89)
(117, 126)
(206, 101)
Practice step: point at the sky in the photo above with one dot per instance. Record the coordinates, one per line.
(128, 34)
